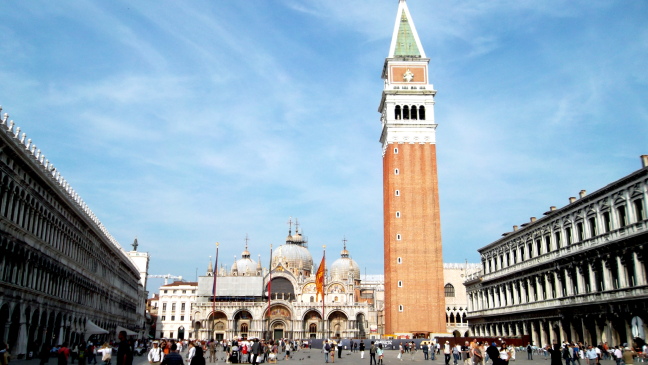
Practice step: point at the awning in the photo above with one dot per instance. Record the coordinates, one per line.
(92, 329)
(128, 332)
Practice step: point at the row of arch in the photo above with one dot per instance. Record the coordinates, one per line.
(408, 112)
(26, 327)
(30, 269)
(611, 214)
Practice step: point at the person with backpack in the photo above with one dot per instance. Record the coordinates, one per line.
(372, 354)
(326, 349)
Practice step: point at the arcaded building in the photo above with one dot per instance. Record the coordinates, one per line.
(412, 225)
(578, 273)
(61, 272)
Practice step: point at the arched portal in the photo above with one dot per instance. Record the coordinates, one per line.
(282, 289)
(218, 325)
(312, 324)
(360, 325)
(242, 322)
(278, 319)
(338, 324)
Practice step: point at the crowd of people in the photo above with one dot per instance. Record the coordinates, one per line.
(237, 351)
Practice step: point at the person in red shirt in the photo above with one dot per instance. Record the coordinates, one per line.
(63, 354)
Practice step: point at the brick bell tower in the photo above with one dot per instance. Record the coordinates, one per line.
(414, 287)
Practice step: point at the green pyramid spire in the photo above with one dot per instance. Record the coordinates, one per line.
(405, 41)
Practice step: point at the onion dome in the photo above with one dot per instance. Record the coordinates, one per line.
(294, 255)
(245, 266)
(345, 265)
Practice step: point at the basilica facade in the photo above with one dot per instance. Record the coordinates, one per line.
(282, 301)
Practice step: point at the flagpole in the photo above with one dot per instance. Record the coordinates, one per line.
(214, 290)
(323, 289)
(269, 291)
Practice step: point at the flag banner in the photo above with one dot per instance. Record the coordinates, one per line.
(319, 278)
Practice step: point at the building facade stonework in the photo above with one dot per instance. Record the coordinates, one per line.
(576, 274)
(61, 272)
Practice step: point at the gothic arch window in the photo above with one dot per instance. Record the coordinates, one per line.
(421, 112)
(244, 327)
(406, 112)
(414, 112)
(397, 112)
(449, 291)
(312, 328)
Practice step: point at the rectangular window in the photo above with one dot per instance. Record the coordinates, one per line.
(173, 307)
(580, 232)
(522, 253)
(400, 284)
(400, 308)
(164, 318)
(607, 222)
(182, 307)
(398, 237)
(557, 239)
(182, 318)
(547, 243)
(184, 292)
(173, 318)
(639, 209)
(397, 193)
(395, 151)
(164, 307)
(171, 335)
(165, 291)
(592, 226)
(623, 219)
(538, 248)
(568, 234)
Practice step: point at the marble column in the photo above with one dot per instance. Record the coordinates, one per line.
(639, 269)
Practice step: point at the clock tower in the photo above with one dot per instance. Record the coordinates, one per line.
(414, 287)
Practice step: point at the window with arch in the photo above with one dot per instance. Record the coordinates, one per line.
(406, 113)
(449, 290)
(399, 260)
(421, 112)
(396, 172)
(621, 213)
(395, 151)
(335, 299)
(244, 327)
(400, 284)
(398, 237)
(400, 308)
(397, 112)
(312, 299)
(397, 214)
(312, 328)
(397, 193)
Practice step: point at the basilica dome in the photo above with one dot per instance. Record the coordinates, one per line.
(245, 266)
(293, 256)
(345, 265)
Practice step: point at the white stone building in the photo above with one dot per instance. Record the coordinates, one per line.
(175, 304)
(576, 274)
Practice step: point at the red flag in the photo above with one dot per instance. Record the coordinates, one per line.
(319, 277)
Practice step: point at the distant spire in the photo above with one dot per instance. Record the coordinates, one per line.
(405, 40)
(210, 268)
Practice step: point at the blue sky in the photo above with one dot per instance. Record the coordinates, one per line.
(187, 123)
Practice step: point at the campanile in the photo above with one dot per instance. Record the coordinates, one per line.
(414, 288)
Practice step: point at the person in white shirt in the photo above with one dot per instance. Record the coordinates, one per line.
(155, 355)
(191, 353)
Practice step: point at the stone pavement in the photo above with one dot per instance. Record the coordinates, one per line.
(315, 357)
